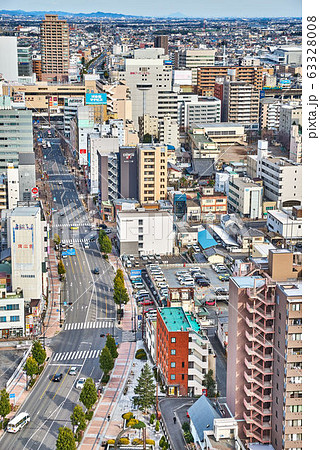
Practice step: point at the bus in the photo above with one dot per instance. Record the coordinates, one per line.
(18, 422)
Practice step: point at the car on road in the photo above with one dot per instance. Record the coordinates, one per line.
(224, 277)
(57, 377)
(210, 302)
(74, 227)
(221, 291)
(57, 248)
(73, 370)
(96, 270)
(62, 214)
(70, 245)
(60, 183)
(92, 238)
(108, 231)
(80, 383)
(86, 245)
(102, 335)
(146, 303)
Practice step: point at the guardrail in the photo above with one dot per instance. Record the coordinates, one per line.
(22, 362)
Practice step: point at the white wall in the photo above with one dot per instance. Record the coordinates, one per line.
(9, 58)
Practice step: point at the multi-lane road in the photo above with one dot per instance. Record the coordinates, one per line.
(89, 312)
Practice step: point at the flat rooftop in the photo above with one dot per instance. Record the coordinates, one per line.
(177, 320)
(291, 289)
(248, 282)
(25, 211)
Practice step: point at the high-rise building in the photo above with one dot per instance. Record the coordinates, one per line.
(264, 342)
(161, 41)
(16, 134)
(9, 58)
(129, 172)
(54, 48)
(194, 58)
(25, 61)
(152, 160)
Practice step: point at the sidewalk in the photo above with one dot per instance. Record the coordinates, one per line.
(108, 405)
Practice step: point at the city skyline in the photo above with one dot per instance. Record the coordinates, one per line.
(205, 8)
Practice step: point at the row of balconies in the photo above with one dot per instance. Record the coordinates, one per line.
(258, 422)
(254, 309)
(259, 338)
(253, 324)
(254, 407)
(264, 438)
(255, 352)
(265, 398)
(258, 367)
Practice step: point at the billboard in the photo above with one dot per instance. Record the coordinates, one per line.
(74, 101)
(96, 99)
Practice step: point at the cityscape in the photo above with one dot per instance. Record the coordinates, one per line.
(151, 225)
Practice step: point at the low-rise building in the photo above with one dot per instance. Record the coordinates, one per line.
(286, 222)
(245, 197)
(145, 232)
(12, 317)
(184, 354)
(212, 202)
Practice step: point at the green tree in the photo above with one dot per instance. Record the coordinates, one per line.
(38, 352)
(106, 360)
(210, 384)
(104, 242)
(65, 440)
(31, 367)
(56, 239)
(78, 418)
(145, 389)
(61, 268)
(120, 294)
(89, 394)
(147, 138)
(111, 344)
(4, 404)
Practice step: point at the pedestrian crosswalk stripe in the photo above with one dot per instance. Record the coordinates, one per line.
(58, 225)
(86, 325)
(83, 354)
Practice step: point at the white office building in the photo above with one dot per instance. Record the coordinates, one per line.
(12, 316)
(245, 197)
(106, 144)
(143, 232)
(286, 223)
(9, 58)
(27, 238)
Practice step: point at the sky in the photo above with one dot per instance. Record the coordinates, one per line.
(190, 8)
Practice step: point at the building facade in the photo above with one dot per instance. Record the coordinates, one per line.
(152, 163)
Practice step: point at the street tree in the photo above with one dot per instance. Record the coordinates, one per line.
(78, 418)
(31, 367)
(4, 404)
(61, 268)
(210, 384)
(89, 394)
(111, 344)
(56, 239)
(65, 440)
(106, 360)
(120, 294)
(38, 352)
(145, 389)
(104, 242)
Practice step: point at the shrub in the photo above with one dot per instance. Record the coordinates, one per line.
(89, 415)
(150, 442)
(127, 415)
(124, 441)
(188, 437)
(141, 354)
(105, 378)
(132, 422)
(137, 441)
(152, 417)
(157, 428)
(162, 441)
(185, 426)
(111, 441)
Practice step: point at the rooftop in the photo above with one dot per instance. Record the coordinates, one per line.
(177, 320)
(291, 289)
(25, 211)
(249, 282)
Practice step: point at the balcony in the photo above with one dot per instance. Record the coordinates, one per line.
(264, 439)
(252, 324)
(260, 311)
(258, 367)
(252, 407)
(257, 394)
(254, 338)
(258, 353)
(257, 422)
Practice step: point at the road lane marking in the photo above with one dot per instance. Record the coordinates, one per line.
(77, 254)
(61, 383)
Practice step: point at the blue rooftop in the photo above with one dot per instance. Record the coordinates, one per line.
(176, 319)
(202, 415)
(249, 282)
(205, 239)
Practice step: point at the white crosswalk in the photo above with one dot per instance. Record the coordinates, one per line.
(75, 241)
(82, 326)
(88, 224)
(77, 355)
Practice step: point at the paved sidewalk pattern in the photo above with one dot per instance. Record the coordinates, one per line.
(52, 319)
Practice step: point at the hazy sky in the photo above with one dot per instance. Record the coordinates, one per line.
(191, 8)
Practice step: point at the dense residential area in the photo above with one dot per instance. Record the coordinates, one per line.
(151, 232)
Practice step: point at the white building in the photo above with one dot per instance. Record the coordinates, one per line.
(285, 223)
(192, 58)
(12, 186)
(107, 144)
(12, 316)
(27, 237)
(222, 182)
(145, 232)
(169, 132)
(202, 110)
(290, 114)
(295, 154)
(9, 58)
(245, 197)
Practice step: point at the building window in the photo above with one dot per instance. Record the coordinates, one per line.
(140, 221)
(295, 306)
(182, 376)
(3, 319)
(173, 352)
(182, 363)
(173, 364)
(14, 318)
(172, 377)
(173, 339)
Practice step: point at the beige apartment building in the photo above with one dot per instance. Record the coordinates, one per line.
(264, 353)
(152, 161)
(54, 48)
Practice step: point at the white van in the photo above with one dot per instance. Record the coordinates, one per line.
(18, 422)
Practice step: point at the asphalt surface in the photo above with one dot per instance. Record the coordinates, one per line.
(89, 312)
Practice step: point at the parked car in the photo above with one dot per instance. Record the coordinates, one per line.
(221, 291)
(224, 277)
(146, 303)
(195, 269)
(73, 370)
(157, 256)
(182, 272)
(196, 248)
(138, 286)
(188, 283)
(96, 270)
(144, 258)
(202, 282)
(210, 302)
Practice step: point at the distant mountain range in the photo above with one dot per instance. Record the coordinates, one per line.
(94, 15)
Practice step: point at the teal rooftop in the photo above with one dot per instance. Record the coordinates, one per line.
(177, 320)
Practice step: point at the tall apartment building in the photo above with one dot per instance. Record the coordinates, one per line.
(128, 186)
(203, 110)
(193, 58)
(245, 197)
(264, 353)
(169, 132)
(152, 163)
(161, 41)
(207, 77)
(295, 153)
(16, 134)
(183, 353)
(240, 102)
(108, 175)
(24, 61)
(54, 48)
(270, 114)
(145, 232)
(290, 114)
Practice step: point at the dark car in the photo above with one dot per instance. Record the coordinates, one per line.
(96, 271)
(57, 377)
(202, 282)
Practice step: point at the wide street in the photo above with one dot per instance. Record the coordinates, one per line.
(89, 312)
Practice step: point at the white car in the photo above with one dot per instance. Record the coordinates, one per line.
(187, 283)
(196, 248)
(80, 383)
(73, 370)
(162, 285)
(86, 245)
(195, 269)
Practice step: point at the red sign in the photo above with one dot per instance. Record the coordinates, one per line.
(83, 151)
(35, 190)
(204, 392)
